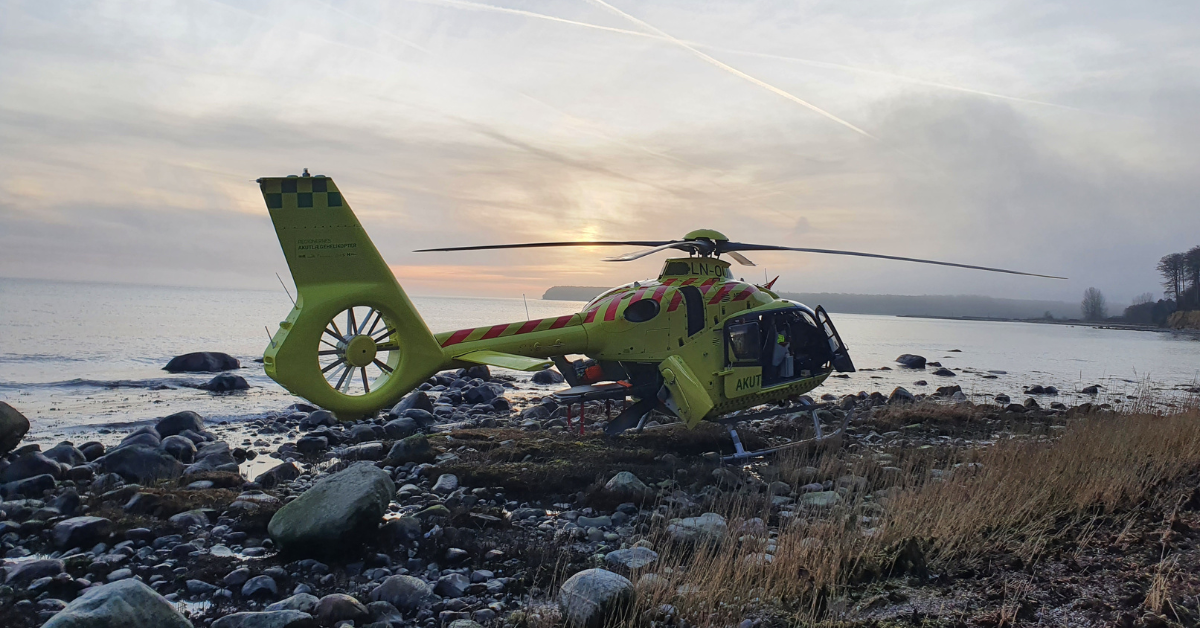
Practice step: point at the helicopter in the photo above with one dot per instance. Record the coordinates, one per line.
(694, 343)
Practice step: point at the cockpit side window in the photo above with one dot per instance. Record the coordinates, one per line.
(744, 344)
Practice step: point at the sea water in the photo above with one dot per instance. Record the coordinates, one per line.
(84, 355)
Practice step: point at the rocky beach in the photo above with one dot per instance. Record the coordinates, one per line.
(474, 502)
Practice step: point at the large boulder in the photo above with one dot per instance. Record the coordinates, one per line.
(29, 465)
(707, 528)
(415, 448)
(141, 464)
(202, 362)
(125, 602)
(80, 532)
(404, 592)
(13, 427)
(338, 511)
(178, 422)
(594, 598)
(911, 361)
(267, 619)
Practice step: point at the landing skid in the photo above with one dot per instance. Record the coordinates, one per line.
(740, 452)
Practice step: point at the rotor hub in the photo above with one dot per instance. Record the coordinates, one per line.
(359, 351)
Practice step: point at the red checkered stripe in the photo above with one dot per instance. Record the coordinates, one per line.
(504, 330)
(667, 292)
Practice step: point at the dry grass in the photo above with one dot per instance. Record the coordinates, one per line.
(1016, 496)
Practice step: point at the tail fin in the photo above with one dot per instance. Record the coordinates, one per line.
(353, 343)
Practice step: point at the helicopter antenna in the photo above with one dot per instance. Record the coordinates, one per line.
(526, 305)
(269, 336)
(289, 293)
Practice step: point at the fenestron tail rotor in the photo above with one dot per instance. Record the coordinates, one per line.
(359, 354)
(707, 243)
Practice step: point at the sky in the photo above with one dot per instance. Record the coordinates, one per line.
(1052, 137)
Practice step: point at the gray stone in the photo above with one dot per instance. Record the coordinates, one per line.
(900, 395)
(944, 372)
(237, 577)
(199, 587)
(547, 376)
(13, 427)
(312, 444)
(707, 528)
(416, 400)
(124, 603)
(595, 597)
(820, 499)
(365, 451)
(402, 427)
(278, 474)
(339, 606)
(632, 558)
(225, 383)
(627, 485)
(403, 592)
(415, 448)
(452, 585)
(402, 529)
(141, 464)
(267, 619)
(447, 483)
(29, 487)
(318, 418)
(29, 465)
(23, 573)
(303, 602)
(80, 532)
(260, 585)
(384, 614)
(181, 447)
(911, 361)
(178, 422)
(66, 453)
(336, 512)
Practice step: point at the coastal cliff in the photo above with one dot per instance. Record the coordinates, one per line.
(1184, 320)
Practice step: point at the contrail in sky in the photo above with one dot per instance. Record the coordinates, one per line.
(736, 72)
(465, 4)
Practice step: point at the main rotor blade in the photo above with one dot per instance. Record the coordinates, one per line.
(629, 257)
(729, 247)
(536, 245)
(741, 259)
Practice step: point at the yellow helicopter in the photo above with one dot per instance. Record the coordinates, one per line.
(694, 342)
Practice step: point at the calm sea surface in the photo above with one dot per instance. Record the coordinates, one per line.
(84, 355)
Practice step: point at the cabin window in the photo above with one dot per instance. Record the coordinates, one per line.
(676, 268)
(641, 311)
(744, 344)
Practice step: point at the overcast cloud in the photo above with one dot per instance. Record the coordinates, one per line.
(1058, 138)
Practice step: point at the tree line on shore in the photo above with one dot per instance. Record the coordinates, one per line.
(1180, 274)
